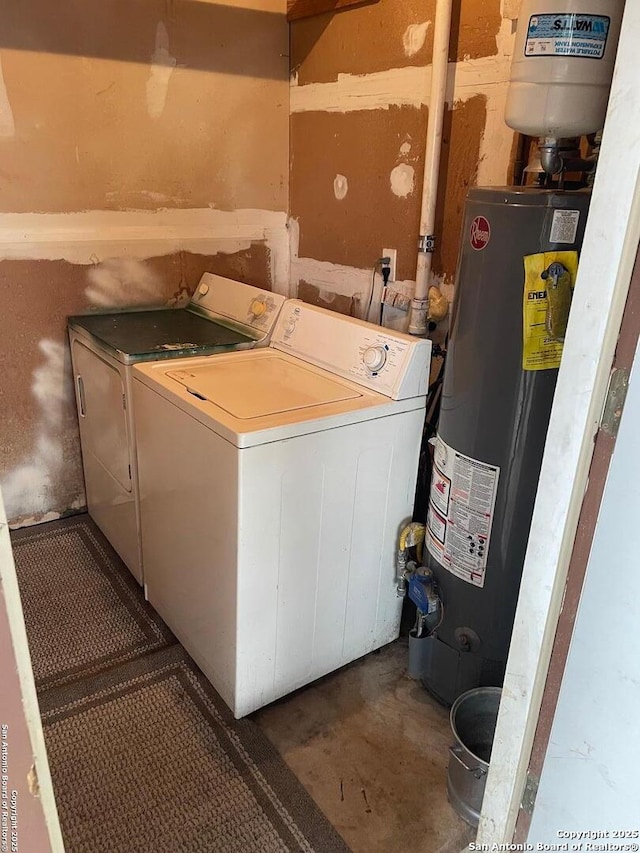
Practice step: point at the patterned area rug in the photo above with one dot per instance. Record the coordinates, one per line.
(145, 756)
(148, 758)
(83, 610)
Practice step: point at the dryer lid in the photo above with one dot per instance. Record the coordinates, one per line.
(257, 388)
(152, 335)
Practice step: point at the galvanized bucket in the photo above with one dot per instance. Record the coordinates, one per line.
(473, 723)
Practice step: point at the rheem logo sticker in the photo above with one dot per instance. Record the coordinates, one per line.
(480, 233)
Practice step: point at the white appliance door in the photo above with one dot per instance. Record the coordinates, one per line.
(106, 451)
(100, 394)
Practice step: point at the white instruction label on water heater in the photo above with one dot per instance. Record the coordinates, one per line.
(461, 508)
(567, 34)
(564, 226)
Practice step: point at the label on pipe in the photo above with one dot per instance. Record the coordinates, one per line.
(545, 307)
(562, 34)
(461, 509)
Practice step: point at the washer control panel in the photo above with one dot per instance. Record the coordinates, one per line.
(390, 362)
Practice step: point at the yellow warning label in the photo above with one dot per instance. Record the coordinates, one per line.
(549, 278)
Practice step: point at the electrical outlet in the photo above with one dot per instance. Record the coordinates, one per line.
(393, 254)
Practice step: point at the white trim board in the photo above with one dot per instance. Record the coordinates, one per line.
(608, 256)
(20, 231)
(91, 236)
(10, 599)
(409, 86)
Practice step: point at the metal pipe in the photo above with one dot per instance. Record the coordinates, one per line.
(550, 158)
(437, 102)
(555, 160)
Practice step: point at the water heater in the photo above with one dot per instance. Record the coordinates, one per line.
(517, 264)
(562, 66)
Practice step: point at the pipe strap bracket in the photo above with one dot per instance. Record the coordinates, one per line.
(427, 243)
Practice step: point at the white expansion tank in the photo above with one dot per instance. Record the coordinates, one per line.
(562, 66)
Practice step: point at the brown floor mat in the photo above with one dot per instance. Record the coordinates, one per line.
(83, 610)
(147, 757)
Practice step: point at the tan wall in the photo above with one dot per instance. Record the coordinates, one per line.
(359, 96)
(143, 143)
(111, 111)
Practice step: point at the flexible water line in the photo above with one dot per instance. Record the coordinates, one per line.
(412, 535)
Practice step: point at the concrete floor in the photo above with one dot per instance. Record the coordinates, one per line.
(371, 747)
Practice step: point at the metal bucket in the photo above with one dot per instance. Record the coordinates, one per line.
(473, 723)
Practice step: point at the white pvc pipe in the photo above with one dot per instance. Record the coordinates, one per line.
(437, 103)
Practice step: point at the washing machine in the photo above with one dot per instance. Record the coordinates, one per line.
(223, 315)
(273, 484)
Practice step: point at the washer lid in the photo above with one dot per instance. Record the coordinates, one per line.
(266, 386)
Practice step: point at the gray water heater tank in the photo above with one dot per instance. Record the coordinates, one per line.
(499, 381)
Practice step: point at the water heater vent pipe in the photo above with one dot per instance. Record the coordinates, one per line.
(437, 103)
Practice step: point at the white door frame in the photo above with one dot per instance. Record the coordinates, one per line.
(606, 263)
(38, 825)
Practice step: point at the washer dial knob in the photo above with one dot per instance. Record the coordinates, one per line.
(374, 358)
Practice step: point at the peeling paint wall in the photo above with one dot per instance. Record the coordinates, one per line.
(360, 90)
(141, 144)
